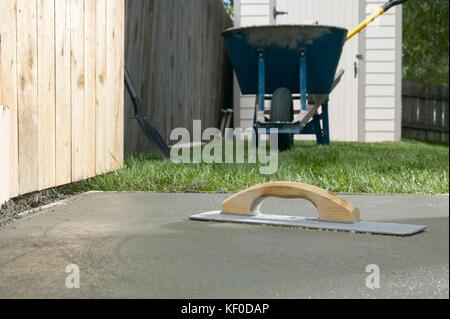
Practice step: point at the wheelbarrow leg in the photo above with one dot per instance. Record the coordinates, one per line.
(259, 105)
(317, 129)
(255, 141)
(320, 126)
(261, 84)
(303, 74)
(315, 123)
(314, 126)
(256, 138)
(325, 124)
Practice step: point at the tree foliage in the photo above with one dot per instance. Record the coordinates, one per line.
(425, 41)
(228, 4)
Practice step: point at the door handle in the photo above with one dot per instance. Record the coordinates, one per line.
(360, 57)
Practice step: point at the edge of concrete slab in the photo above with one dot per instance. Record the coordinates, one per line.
(35, 211)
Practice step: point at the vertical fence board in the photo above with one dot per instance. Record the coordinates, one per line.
(4, 154)
(110, 82)
(89, 86)
(428, 111)
(46, 92)
(28, 109)
(8, 85)
(77, 56)
(63, 109)
(133, 42)
(439, 108)
(101, 104)
(143, 76)
(445, 118)
(120, 64)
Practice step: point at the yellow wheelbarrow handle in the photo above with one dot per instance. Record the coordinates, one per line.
(375, 15)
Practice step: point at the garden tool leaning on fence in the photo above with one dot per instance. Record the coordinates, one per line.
(150, 132)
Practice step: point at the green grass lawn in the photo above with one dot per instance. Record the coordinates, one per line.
(407, 167)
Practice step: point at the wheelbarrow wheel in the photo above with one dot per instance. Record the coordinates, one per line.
(282, 110)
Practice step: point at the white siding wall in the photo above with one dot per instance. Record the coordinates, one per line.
(255, 12)
(383, 75)
(343, 106)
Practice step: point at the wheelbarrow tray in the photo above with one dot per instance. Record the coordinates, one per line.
(281, 46)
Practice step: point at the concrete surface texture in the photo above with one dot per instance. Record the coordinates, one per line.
(143, 245)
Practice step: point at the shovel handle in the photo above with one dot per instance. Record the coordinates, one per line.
(329, 205)
(375, 15)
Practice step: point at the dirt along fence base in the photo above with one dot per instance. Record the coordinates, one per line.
(425, 112)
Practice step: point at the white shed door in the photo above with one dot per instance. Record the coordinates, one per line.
(344, 110)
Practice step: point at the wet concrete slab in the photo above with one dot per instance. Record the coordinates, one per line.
(143, 245)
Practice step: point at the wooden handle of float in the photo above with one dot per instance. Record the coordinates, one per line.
(329, 205)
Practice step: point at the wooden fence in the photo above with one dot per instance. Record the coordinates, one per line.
(177, 60)
(61, 76)
(425, 112)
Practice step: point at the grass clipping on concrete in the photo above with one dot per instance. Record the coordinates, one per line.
(407, 167)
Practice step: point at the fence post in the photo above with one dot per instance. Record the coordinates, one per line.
(4, 154)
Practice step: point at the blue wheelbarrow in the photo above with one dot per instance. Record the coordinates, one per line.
(286, 62)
